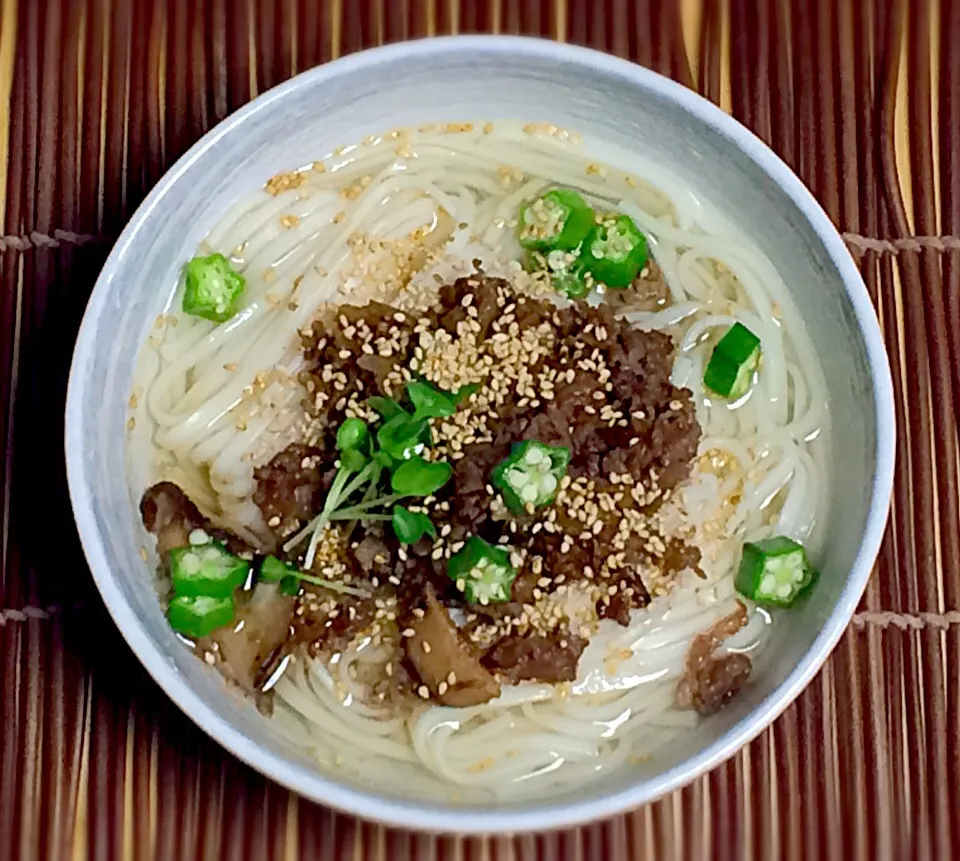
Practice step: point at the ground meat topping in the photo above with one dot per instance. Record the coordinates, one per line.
(327, 623)
(536, 657)
(290, 488)
(575, 377)
(649, 292)
(710, 680)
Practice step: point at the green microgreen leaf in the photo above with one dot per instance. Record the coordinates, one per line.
(352, 434)
(353, 459)
(273, 570)
(419, 477)
(290, 585)
(386, 408)
(384, 459)
(411, 526)
(463, 393)
(428, 401)
(401, 436)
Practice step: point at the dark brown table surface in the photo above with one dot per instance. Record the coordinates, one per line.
(98, 98)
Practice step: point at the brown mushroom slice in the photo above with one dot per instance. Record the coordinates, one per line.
(250, 647)
(444, 661)
(169, 514)
(710, 680)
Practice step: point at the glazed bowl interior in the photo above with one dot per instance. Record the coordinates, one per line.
(471, 79)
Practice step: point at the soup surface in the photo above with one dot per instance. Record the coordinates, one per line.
(482, 466)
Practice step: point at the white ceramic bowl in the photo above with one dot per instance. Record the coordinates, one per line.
(471, 78)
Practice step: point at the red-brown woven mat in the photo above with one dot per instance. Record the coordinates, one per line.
(97, 98)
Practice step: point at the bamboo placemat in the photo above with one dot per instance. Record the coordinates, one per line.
(97, 98)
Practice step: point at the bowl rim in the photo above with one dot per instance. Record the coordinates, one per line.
(421, 815)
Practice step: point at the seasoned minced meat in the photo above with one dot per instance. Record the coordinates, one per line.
(630, 595)
(649, 292)
(328, 622)
(595, 366)
(536, 657)
(575, 377)
(291, 487)
(710, 680)
(373, 556)
(718, 681)
(679, 555)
